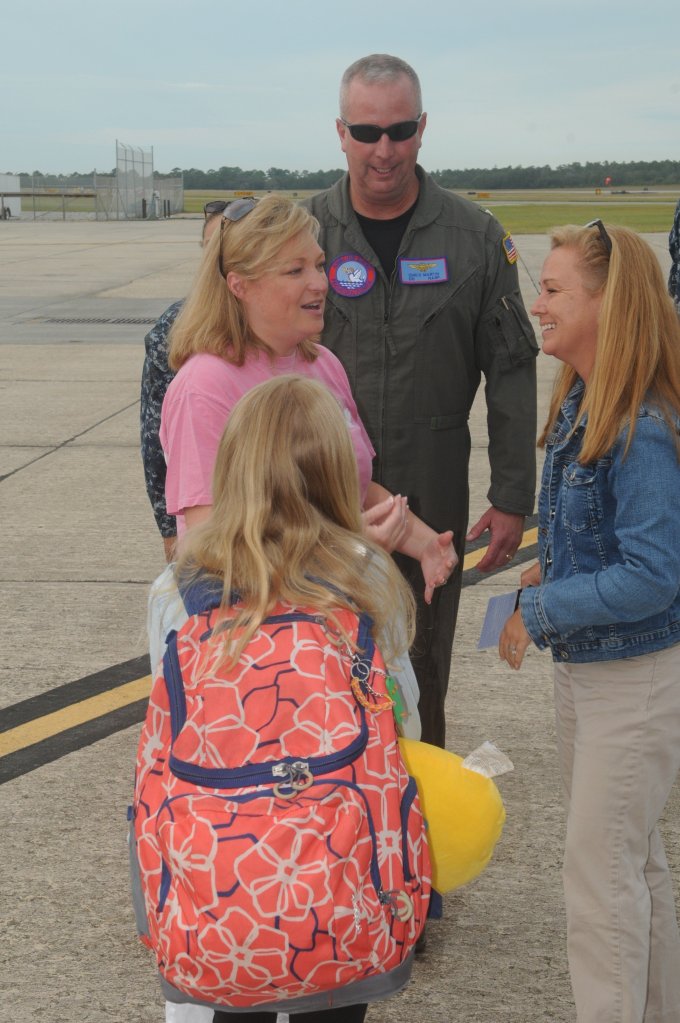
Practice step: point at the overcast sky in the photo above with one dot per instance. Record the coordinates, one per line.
(515, 83)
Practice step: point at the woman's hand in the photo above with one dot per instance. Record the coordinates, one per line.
(385, 523)
(388, 522)
(514, 640)
(437, 560)
(531, 576)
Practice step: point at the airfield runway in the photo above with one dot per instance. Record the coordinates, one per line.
(81, 548)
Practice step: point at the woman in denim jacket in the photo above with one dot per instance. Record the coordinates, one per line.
(605, 597)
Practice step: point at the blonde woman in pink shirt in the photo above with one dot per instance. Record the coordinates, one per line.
(255, 312)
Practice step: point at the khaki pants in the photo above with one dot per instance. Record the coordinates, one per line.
(618, 732)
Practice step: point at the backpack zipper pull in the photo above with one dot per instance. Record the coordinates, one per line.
(296, 777)
(399, 902)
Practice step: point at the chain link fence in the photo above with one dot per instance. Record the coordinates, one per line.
(165, 198)
(134, 181)
(132, 192)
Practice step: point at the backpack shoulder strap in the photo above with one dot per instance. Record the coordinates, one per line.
(204, 593)
(362, 661)
(365, 643)
(174, 684)
(172, 673)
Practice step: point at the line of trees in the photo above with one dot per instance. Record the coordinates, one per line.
(572, 175)
(276, 178)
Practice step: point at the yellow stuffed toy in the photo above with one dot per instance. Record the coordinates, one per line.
(463, 810)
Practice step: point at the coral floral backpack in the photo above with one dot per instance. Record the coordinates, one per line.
(281, 848)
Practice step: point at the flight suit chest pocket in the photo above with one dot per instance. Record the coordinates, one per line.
(443, 360)
(515, 342)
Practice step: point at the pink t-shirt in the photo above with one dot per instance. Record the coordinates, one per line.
(200, 400)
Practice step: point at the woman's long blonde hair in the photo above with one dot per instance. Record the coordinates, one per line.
(286, 518)
(212, 319)
(638, 339)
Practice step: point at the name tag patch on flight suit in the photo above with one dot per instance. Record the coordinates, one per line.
(423, 271)
(509, 249)
(350, 275)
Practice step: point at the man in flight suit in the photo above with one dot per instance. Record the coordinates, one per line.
(423, 300)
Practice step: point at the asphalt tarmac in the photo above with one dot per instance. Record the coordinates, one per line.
(81, 548)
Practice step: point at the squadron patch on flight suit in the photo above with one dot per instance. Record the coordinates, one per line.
(509, 248)
(423, 271)
(351, 276)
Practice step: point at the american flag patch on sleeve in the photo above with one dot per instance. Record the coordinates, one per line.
(509, 248)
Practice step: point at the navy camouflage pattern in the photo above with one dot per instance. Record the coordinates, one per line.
(674, 249)
(156, 377)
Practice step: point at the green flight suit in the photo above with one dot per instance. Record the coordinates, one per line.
(415, 354)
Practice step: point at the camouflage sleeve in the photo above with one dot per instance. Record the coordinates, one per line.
(156, 377)
(674, 249)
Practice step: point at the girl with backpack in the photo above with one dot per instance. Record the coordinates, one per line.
(283, 550)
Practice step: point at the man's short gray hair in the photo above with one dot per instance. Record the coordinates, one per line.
(378, 69)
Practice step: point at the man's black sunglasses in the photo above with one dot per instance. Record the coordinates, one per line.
(606, 240)
(399, 132)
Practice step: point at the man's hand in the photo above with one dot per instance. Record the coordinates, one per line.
(506, 535)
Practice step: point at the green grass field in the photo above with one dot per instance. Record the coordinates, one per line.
(540, 218)
(535, 212)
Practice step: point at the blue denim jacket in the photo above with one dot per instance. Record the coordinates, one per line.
(609, 544)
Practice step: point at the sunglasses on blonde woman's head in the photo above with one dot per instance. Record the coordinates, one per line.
(238, 209)
(606, 240)
(220, 205)
(371, 133)
(234, 211)
(215, 206)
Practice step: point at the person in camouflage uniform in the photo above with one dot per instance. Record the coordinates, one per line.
(156, 377)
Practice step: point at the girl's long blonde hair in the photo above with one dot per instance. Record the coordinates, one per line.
(286, 518)
(212, 319)
(638, 339)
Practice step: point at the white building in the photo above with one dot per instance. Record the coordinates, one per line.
(10, 205)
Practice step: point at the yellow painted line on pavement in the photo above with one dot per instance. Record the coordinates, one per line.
(76, 714)
(472, 559)
(58, 721)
